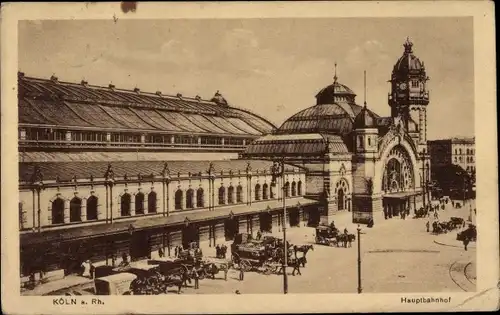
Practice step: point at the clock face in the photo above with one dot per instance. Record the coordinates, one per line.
(402, 86)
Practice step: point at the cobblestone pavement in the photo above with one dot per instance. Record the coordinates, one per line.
(397, 256)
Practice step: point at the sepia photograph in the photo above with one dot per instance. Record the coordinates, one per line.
(287, 155)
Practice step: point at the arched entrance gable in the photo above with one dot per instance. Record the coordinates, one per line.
(390, 142)
(342, 192)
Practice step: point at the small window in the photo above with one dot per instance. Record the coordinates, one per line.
(369, 141)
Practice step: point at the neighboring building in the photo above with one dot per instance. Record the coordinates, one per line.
(453, 166)
(104, 171)
(456, 151)
(354, 158)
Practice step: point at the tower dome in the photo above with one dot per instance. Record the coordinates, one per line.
(408, 62)
(335, 93)
(365, 119)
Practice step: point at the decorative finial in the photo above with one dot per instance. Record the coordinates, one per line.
(365, 88)
(408, 45)
(335, 77)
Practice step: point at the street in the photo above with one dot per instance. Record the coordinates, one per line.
(397, 256)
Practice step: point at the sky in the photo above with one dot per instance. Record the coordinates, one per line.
(274, 67)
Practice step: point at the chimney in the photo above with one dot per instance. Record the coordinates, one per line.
(179, 95)
(20, 74)
(198, 98)
(53, 78)
(137, 90)
(158, 93)
(112, 87)
(84, 83)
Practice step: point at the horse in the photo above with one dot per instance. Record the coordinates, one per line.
(303, 249)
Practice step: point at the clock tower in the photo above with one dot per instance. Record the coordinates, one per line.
(409, 96)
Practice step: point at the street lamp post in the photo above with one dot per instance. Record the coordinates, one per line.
(278, 169)
(360, 289)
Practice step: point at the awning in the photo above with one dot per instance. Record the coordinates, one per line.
(403, 194)
(174, 219)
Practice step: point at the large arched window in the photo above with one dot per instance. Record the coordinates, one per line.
(257, 192)
(398, 173)
(199, 198)
(58, 211)
(222, 195)
(178, 199)
(75, 210)
(92, 208)
(189, 198)
(340, 199)
(265, 191)
(152, 202)
(272, 191)
(299, 188)
(125, 205)
(287, 189)
(230, 194)
(139, 203)
(294, 189)
(239, 194)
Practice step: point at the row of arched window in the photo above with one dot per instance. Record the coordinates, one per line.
(192, 199)
(75, 209)
(126, 200)
(195, 199)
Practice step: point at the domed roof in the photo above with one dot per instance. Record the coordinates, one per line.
(408, 62)
(337, 118)
(335, 92)
(365, 119)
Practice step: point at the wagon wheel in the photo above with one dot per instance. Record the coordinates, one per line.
(245, 265)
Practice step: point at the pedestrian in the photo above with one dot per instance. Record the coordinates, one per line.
(427, 225)
(113, 261)
(370, 222)
(196, 278)
(259, 235)
(161, 253)
(92, 270)
(242, 274)
(466, 242)
(124, 260)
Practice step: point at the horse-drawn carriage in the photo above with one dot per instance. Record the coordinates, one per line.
(330, 236)
(326, 235)
(469, 234)
(265, 255)
(447, 226)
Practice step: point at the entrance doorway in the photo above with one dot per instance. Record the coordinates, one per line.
(190, 234)
(266, 222)
(140, 247)
(314, 217)
(231, 228)
(294, 217)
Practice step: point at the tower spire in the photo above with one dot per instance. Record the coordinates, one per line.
(365, 88)
(335, 76)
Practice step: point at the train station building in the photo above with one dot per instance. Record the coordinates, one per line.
(103, 171)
